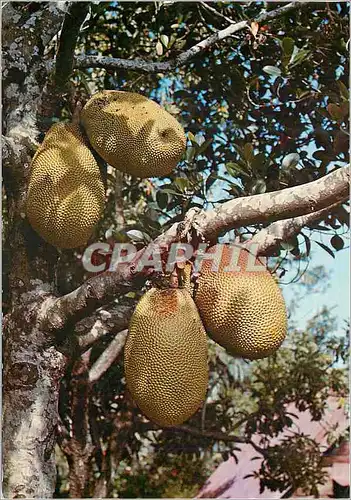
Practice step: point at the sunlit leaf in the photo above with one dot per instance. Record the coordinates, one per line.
(165, 40)
(159, 48)
(272, 70)
(259, 187)
(290, 160)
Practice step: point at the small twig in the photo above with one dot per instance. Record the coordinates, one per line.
(216, 13)
(184, 58)
(109, 356)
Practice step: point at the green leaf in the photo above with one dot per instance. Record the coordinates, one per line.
(288, 45)
(343, 90)
(190, 154)
(299, 57)
(162, 199)
(172, 191)
(234, 169)
(337, 242)
(290, 160)
(327, 249)
(272, 70)
(164, 40)
(248, 152)
(335, 112)
(259, 163)
(159, 48)
(204, 146)
(181, 183)
(259, 187)
(191, 138)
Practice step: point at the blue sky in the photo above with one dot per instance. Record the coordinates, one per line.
(336, 296)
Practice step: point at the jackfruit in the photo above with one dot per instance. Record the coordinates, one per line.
(165, 356)
(133, 133)
(65, 197)
(243, 311)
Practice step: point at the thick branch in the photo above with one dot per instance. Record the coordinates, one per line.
(213, 435)
(108, 357)
(68, 39)
(291, 202)
(269, 207)
(102, 323)
(184, 58)
(269, 239)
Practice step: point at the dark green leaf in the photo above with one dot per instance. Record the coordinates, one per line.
(327, 249)
(259, 163)
(335, 112)
(190, 154)
(204, 146)
(299, 57)
(162, 199)
(234, 169)
(337, 242)
(248, 152)
(343, 90)
(288, 45)
(308, 244)
(172, 191)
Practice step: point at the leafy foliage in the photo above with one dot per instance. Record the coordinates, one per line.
(265, 109)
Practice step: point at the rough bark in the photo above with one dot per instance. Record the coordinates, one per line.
(33, 368)
(34, 360)
(78, 446)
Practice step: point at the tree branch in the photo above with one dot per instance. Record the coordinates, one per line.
(215, 12)
(69, 34)
(269, 239)
(214, 435)
(184, 58)
(268, 207)
(108, 357)
(102, 323)
(288, 203)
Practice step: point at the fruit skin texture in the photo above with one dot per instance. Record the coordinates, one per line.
(133, 133)
(66, 195)
(165, 356)
(243, 311)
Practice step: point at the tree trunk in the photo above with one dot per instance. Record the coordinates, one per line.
(33, 370)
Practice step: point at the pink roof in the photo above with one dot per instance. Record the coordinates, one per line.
(229, 481)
